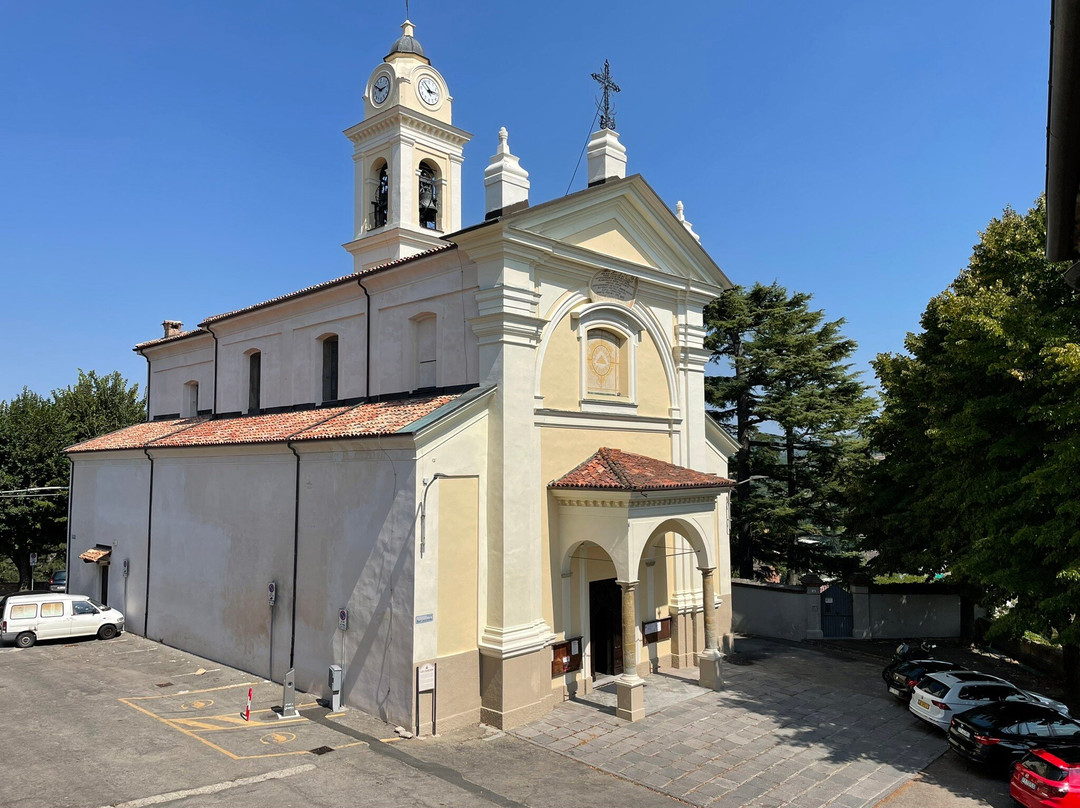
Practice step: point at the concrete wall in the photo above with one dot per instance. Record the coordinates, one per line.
(898, 614)
(768, 610)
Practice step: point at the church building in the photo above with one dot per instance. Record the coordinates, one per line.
(476, 472)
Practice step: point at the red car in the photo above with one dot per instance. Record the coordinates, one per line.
(1048, 778)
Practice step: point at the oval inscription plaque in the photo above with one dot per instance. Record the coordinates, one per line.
(607, 284)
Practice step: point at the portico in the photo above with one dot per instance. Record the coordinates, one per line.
(638, 517)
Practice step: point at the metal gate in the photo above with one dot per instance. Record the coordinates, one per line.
(836, 612)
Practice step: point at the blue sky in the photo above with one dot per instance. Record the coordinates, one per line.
(179, 159)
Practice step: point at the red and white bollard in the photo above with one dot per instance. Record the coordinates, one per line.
(246, 715)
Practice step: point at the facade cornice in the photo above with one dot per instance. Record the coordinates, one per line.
(405, 118)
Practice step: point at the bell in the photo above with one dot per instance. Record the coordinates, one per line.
(427, 197)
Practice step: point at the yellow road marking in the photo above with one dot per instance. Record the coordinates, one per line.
(277, 737)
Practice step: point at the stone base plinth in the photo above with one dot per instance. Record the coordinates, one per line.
(710, 675)
(630, 691)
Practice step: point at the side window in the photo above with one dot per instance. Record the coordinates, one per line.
(998, 692)
(1064, 728)
(24, 611)
(82, 607)
(55, 609)
(606, 363)
(254, 381)
(189, 407)
(1039, 727)
(424, 334)
(969, 693)
(329, 369)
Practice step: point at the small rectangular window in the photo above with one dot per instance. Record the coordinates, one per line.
(330, 369)
(55, 609)
(24, 611)
(254, 382)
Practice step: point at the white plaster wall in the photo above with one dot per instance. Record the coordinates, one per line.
(356, 551)
(460, 451)
(109, 506)
(173, 366)
(768, 611)
(222, 530)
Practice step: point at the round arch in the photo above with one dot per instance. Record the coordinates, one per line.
(690, 531)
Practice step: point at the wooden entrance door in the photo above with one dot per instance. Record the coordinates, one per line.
(605, 627)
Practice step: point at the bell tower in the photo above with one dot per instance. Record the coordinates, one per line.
(407, 159)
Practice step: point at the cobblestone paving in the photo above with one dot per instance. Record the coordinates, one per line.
(770, 738)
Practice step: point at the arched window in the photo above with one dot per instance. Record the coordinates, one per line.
(254, 381)
(606, 364)
(189, 407)
(330, 368)
(428, 196)
(425, 350)
(380, 202)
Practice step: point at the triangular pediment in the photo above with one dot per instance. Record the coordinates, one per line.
(625, 220)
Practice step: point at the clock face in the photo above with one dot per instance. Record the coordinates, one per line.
(381, 89)
(428, 91)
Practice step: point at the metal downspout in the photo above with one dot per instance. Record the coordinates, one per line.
(295, 553)
(212, 334)
(149, 533)
(367, 341)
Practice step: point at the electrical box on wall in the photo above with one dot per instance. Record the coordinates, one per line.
(271, 592)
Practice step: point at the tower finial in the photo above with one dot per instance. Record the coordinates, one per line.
(607, 113)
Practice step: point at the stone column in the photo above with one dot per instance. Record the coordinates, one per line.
(630, 687)
(709, 674)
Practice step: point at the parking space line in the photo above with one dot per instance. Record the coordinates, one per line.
(214, 788)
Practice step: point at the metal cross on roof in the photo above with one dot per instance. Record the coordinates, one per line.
(607, 113)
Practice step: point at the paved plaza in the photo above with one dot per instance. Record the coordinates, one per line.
(805, 729)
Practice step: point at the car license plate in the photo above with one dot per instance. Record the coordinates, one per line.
(1029, 783)
(963, 732)
(923, 704)
(894, 691)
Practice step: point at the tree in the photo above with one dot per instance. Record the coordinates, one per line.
(796, 407)
(34, 431)
(980, 439)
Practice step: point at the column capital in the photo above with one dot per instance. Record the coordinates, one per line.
(707, 570)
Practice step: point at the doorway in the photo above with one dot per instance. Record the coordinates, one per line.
(605, 627)
(104, 583)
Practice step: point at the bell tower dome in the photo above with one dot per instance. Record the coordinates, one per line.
(407, 158)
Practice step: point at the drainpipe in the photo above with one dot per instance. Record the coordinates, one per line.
(212, 334)
(71, 488)
(295, 552)
(149, 533)
(367, 341)
(147, 358)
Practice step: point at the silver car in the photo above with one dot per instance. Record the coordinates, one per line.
(939, 696)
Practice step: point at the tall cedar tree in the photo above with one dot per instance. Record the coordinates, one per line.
(980, 437)
(33, 434)
(796, 408)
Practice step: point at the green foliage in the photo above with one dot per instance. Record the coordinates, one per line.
(795, 407)
(980, 437)
(34, 431)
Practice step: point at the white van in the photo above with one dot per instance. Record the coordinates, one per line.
(31, 616)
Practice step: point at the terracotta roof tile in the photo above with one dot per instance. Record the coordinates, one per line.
(362, 420)
(171, 338)
(328, 284)
(614, 469)
(134, 437)
(267, 428)
(376, 418)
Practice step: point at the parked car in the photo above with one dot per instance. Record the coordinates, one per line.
(940, 696)
(1048, 778)
(999, 734)
(58, 581)
(32, 616)
(905, 675)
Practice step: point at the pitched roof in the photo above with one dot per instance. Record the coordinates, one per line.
(327, 284)
(171, 338)
(614, 469)
(362, 420)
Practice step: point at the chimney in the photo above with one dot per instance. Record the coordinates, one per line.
(506, 183)
(689, 227)
(607, 157)
(172, 327)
